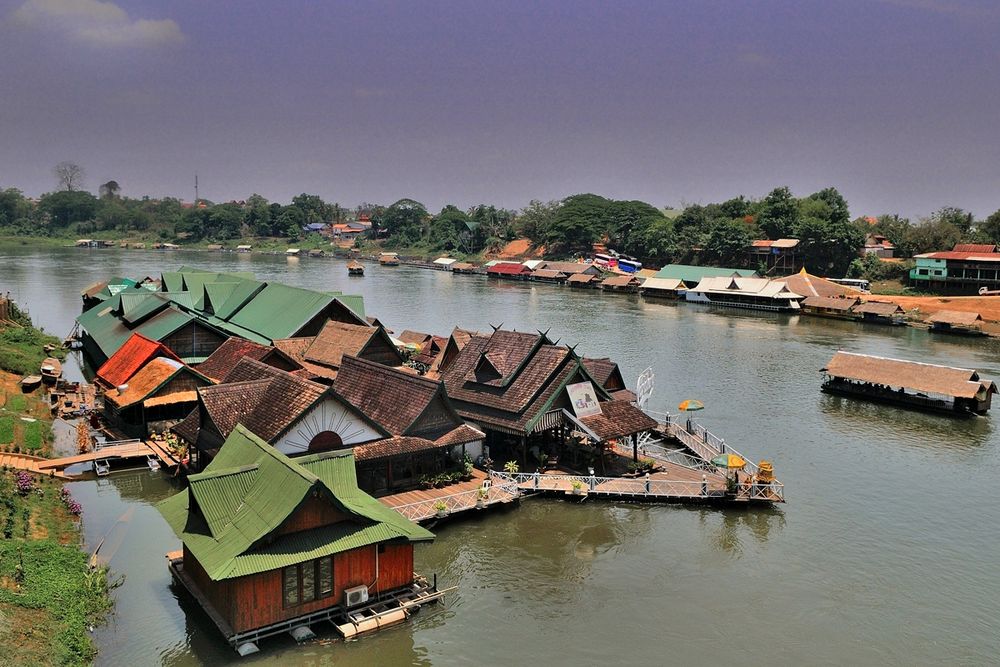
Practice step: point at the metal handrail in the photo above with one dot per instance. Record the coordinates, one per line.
(456, 502)
(635, 486)
(98, 446)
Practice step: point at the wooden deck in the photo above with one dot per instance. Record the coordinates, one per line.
(124, 451)
(29, 463)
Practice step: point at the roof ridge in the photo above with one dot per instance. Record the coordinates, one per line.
(201, 476)
(276, 455)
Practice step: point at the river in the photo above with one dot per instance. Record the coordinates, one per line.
(886, 552)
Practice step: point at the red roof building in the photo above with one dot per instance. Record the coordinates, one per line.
(508, 270)
(130, 357)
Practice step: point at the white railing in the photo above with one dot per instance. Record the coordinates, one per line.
(772, 492)
(635, 486)
(700, 440)
(675, 456)
(457, 502)
(104, 444)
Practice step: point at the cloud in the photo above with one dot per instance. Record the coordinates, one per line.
(102, 24)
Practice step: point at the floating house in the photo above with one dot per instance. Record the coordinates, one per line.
(516, 388)
(509, 271)
(293, 252)
(622, 283)
(692, 275)
(548, 276)
(464, 268)
(583, 280)
(663, 288)
(908, 383)
(224, 359)
(244, 248)
(388, 259)
(445, 263)
(571, 268)
(807, 285)
(830, 306)
(320, 356)
(273, 544)
(748, 293)
(956, 322)
(881, 312)
(157, 396)
(137, 351)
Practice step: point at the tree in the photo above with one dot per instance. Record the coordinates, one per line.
(933, 234)
(257, 215)
(535, 219)
(989, 229)
(962, 220)
(67, 206)
(779, 214)
(69, 175)
(829, 247)
(403, 222)
(836, 206)
(627, 222)
(727, 242)
(445, 230)
(313, 208)
(578, 224)
(109, 190)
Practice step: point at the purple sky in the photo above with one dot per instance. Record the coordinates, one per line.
(894, 102)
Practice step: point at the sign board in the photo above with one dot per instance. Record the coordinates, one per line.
(583, 398)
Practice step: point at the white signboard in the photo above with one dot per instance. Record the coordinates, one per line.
(583, 399)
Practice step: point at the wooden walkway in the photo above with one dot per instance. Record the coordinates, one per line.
(421, 504)
(129, 450)
(29, 463)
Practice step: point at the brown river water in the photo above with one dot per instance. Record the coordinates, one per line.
(886, 553)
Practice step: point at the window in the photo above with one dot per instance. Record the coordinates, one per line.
(307, 582)
(922, 272)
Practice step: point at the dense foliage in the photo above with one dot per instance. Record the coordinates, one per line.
(713, 233)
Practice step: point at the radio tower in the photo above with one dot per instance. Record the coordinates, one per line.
(196, 190)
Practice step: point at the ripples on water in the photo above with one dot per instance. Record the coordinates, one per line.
(885, 553)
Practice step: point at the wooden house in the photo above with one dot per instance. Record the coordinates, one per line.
(224, 359)
(155, 397)
(663, 288)
(516, 388)
(748, 293)
(571, 268)
(548, 276)
(881, 312)
(584, 280)
(956, 322)
(608, 375)
(426, 434)
(509, 271)
(622, 283)
(320, 356)
(137, 351)
(456, 341)
(908, 383)
(272, 544)
(830, 306)
(463, 268)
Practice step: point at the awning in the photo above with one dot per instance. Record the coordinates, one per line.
(171, 399)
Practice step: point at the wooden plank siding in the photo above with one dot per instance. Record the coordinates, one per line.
(313, 513)
(380, 351)
(194, 340)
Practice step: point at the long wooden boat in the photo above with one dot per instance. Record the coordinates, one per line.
(51, 370)
(31, 382)
(355, 268)
(388, 259)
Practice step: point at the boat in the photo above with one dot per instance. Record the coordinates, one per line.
(388, 259)
(51, 370)
(355, 268)
(31, 382)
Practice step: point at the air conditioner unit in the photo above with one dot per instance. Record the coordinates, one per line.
(355, 596)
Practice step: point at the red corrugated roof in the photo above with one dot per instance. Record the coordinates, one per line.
(130, 357)
(974, 256)
(508, 269)
(975, 247)
(762, 243)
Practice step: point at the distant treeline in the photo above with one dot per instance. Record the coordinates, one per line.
(717, 233)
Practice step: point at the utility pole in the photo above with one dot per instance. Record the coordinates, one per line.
(196, 190)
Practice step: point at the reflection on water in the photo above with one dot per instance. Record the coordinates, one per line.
(881, 556)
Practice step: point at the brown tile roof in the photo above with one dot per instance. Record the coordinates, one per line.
(264, 399)
(624, 395)
(227, 355)
(879, 308)
(582, 278)
(621, 281)
(337, 339)
(188, 427)
(390, 397)
(460, 435)
(956, 382)
(600, 369)
(569, 268)
(551, 274)
(618, 419)
(404, 444)
(414, 337)
(296, 349)
(955, 317)
(830, 302)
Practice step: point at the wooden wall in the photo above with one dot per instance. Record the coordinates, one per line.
(313, 513)
(194, 340)
(257, 600)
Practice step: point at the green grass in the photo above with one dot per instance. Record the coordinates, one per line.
(6, 430)
(47, 579)
(32, 436)
(21, 349)
(16, 403)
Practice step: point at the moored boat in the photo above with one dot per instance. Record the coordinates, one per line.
(355, 268)
(388, 259)
(30, 382)
(51, 370)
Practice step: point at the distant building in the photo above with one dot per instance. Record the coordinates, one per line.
(780, 256)
(964, 270)
(878, 245)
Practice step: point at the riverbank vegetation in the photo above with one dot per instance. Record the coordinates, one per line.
(711, 234)
(49, 596)
(22, 346)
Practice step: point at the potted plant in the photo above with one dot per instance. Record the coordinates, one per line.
(511, 467)
(577, 487)
(467, 470)
(441, 509)
(481, 496)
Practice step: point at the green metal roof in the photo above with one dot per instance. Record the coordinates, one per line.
(250, 489)
(243, 292)
(279, 311)
(693, 274)
(172, 281)
(110, 333)
(355, 302)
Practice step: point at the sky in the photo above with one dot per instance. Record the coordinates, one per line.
(896, 103)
